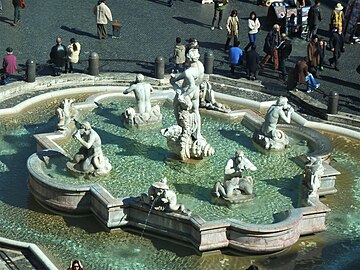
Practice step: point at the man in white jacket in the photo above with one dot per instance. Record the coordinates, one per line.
(103, 15)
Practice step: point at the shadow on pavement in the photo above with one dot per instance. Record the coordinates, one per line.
(5, 20)
(191, 21)
(78, 32)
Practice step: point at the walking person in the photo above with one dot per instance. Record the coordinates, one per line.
(284, 49)
(18, 5)
(313, 55)
(219, 6)
(103, 15)
(337, 17)
(271, 41)
(58, 57)
(9, 65)
(336, 44)
(314, 19)
(232, 27)
(73, 53)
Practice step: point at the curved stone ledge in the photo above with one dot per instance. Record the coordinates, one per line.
(117, 212)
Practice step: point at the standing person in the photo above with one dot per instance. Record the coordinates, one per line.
(336, 44)
(337, 17)
(271, 41)
(314, 19)
(58, 57)
(219, 6)
(232, 27)
(235, 55)
(73, 53)
(321, 49)
(179, 55)
(9, 65)
(18, 4)
(313, 55)
(254, 26)
(103, 15)
(284, 49)
(252, 62)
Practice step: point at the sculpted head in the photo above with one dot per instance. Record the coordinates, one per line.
(282, 101)
(139, 77)
(193, 55)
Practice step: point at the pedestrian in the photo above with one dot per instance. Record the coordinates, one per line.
(321, 49)
(271, 41)
(313, 55)
(103, 15)
(219, 6)
(336, 44)
(235, 55)
(58, 57)
(284, 49)
(252, 63)
(18, 5)
(232, 27)
(9, 65)
(254, 26)
(337, 17)
(179, 57)
(314, 19)
(73, 54)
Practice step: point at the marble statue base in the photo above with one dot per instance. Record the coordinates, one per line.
(279, 143)
(131, 118)
(185, 146)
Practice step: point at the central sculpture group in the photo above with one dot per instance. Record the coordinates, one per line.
(185, 138)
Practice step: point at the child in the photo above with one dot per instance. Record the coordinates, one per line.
(179, 56)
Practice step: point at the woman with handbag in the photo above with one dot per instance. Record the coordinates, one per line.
(232, 27)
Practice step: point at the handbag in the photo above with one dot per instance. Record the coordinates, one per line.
(22, 4)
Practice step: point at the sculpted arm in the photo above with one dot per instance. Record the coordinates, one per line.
(88, 144)
(130, 89)
(286, 116)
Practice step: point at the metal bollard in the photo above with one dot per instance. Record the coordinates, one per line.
(159, 67)
(209, 62)
(333, 102)
(30, 71)
(93, 68)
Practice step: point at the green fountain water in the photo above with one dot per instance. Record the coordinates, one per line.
(64, 238)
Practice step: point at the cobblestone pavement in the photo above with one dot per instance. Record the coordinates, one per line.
(149, 29)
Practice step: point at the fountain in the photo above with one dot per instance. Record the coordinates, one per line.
(129, 212)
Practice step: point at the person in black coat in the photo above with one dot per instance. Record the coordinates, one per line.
(284, 49)
(252, 62)
(58, 57)
(314, 19)
(336, 44)
(271, 41)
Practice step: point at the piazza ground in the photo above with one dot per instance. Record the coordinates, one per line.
(149, 29)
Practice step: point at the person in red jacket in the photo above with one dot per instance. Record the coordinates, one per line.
(9, 65)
